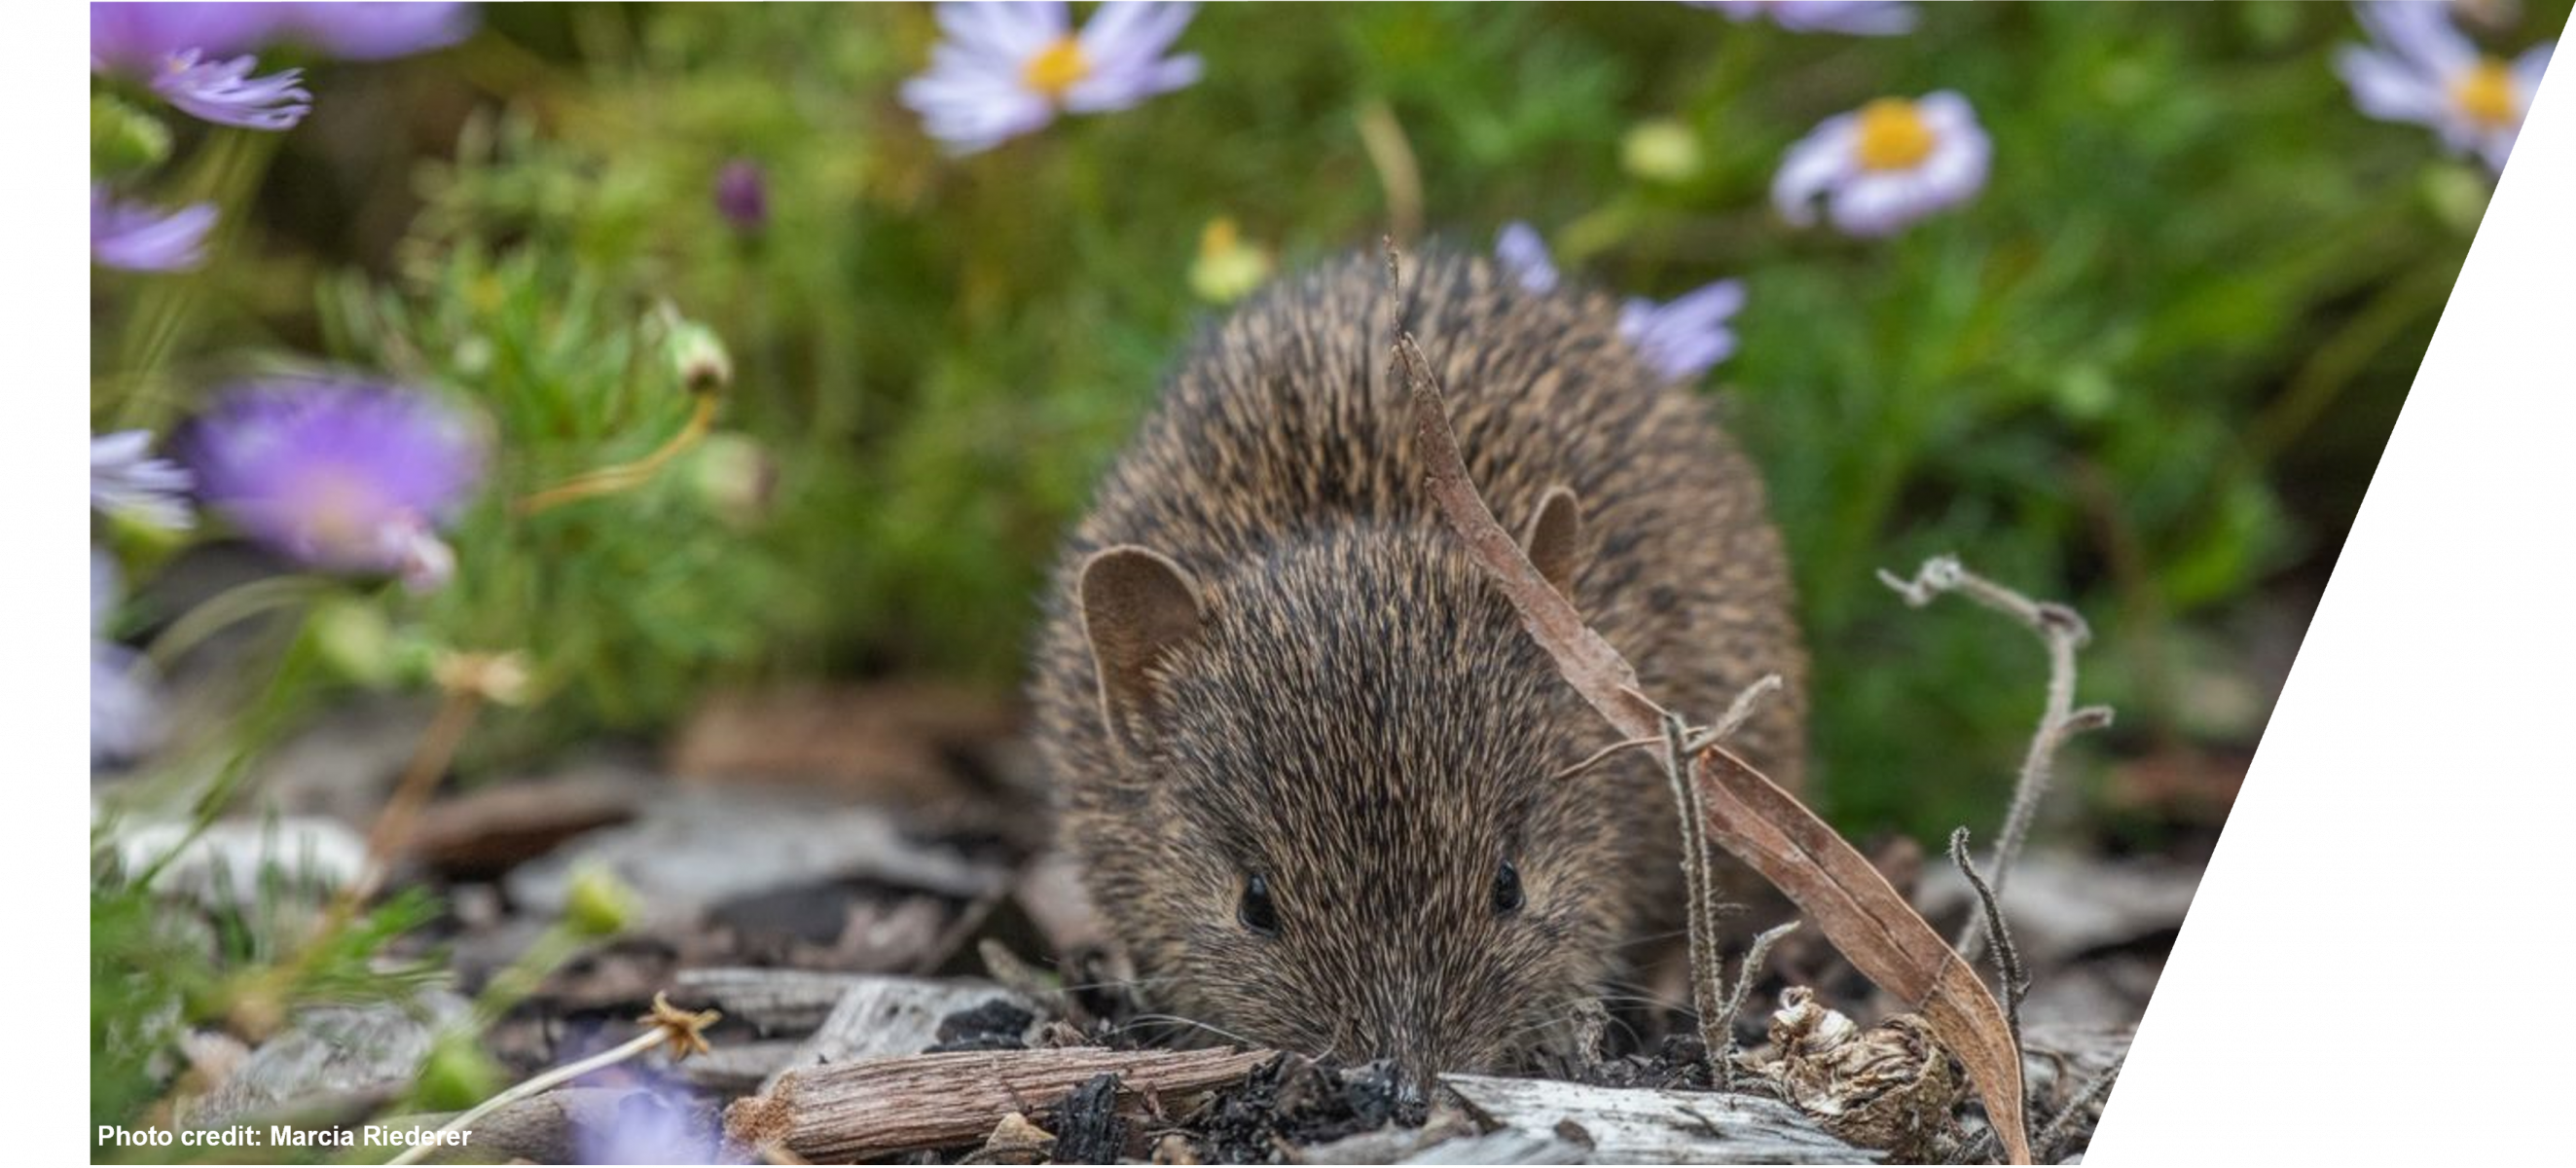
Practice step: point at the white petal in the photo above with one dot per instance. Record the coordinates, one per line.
(1876, 204)
(1815, 164)
(2420, 33)
(1016, 31)
(2389, 88)
(2527, 69)
(2495, 146)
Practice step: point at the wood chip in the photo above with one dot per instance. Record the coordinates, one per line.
(777, 1001)
(1628, 1126)
(880, 1107)
(492, 829)
(881, 1016)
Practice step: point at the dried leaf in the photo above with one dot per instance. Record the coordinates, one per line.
(1750, 816)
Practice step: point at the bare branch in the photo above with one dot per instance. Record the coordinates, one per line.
(2063, 631)
(1705, 970)
(2016, 978)
(1745, 976)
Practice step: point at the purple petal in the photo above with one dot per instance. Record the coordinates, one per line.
(139, 238)
(2419, 33)
(1124, 44)
(742, 195)
(134, 39)
(376, 31)
(1524, 257)
(224, 92)
(1684, 339)
(658, 1125)
(124, 702)
(1850, 17)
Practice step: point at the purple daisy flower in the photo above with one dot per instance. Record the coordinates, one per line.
(655, 1125)
(1680, 340)
(742, 195)
(342, 476)
(142, 239)
(194, 56)
(124, 479)
(2420, 68)
(1006, 69)
(1851, 17)
(1883, 166)
(136, 38)
(124, 700)
(1524, 257)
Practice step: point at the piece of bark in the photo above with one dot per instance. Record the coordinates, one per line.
(490, 830)
(328, 1053)
(739, 1068)
(894, 742)
(879, 1107)
(880, 1016)
(1635, 1126)
(1748, 815)
(699, 849)
(2065, 905)
(1503, 1147)
(776, 1001)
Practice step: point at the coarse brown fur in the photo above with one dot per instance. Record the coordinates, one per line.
(1353, 712)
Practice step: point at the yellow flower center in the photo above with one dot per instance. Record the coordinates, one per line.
(2485, 94)
(1893, 135)
(1056, 68)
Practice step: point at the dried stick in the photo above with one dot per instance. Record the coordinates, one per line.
(1735, 999)
(1860, 914)
(1716, 1024)
(2008, 966)
(2063, 631)
(1702, 927)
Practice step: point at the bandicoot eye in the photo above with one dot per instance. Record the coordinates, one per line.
(1507, 890)
(1256, 912)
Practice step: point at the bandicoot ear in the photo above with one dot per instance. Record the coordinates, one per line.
(1554, 539)
(1137, 607)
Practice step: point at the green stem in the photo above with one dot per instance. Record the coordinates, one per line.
(228, 608)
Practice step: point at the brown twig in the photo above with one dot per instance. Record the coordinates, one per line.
(1859, 913)
(2063, 631)
(1702, 894)
(1745, 976)
(2008, 967)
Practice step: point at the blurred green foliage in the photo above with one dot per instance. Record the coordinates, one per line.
(2148, 370)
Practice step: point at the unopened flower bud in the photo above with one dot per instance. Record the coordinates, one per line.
(1662, 150)
(457, 1074)
(1227, 268)
(742, 195)
(735, 476)
(355, 639)
(122, 139)
(699, 357)
(599, 905)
